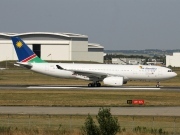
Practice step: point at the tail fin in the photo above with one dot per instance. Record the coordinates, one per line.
(24, 53)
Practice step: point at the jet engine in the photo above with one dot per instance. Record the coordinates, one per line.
(113, 81)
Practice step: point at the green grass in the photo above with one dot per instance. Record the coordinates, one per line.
(86, 97)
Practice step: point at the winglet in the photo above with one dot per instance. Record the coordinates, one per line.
(24, 53)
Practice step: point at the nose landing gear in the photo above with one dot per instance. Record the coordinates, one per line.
(158, 85)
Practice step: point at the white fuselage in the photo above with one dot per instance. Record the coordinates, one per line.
(128, 72)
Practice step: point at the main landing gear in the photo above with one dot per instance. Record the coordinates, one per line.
(158, 85)
(94, 84)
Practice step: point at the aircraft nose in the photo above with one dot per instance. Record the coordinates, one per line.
(174, 74)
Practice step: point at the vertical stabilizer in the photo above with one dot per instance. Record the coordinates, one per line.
(24, 53)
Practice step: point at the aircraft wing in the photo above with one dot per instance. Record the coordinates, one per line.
(90, 74)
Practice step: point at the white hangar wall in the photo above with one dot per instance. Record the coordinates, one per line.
(79, 50)
(173, 60)
(7, 51)
(55, 52)
(96, 55)
(95, 51)
(53, 46)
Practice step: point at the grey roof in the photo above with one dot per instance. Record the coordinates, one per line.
(93, 45)
(69, 35)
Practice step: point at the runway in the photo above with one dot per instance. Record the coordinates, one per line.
(83, 87)
(131, 111)
(86, 88)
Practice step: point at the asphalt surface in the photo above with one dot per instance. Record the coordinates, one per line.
(134, 111)
(83, 87)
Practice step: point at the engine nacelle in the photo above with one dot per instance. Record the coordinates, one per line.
(113, 81)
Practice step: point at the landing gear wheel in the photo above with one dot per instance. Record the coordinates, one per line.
(98, 84)
(89, 85)
(94, 85)
(158, 85)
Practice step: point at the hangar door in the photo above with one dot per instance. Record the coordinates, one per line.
(37, 49)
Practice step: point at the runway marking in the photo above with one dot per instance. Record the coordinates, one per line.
(36, 87)
(126, 88)
(108, 88)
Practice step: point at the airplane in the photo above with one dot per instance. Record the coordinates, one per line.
(109, 74)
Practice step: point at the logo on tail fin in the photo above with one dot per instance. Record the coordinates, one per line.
(19, 44)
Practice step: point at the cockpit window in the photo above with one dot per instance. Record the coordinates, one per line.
(169, 70)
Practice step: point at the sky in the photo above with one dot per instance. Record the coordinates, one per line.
(114, 24)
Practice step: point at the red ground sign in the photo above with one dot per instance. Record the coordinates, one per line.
(138, 102)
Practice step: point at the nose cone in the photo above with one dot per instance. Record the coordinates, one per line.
(174, 74)
(171, 75)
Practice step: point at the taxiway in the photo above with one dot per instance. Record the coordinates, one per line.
(133, 111)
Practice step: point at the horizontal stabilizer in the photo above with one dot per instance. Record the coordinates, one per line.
(26, 65)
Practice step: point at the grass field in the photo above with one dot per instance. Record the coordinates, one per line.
(86, 98)
(70, 125)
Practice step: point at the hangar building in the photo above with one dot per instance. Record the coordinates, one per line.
(53, 46)
(173, 60)
(125, 61)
